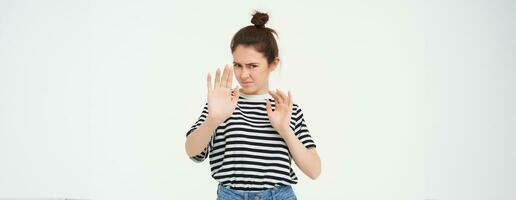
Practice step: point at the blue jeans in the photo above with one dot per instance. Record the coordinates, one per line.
(283, 192)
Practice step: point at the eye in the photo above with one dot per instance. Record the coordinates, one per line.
(254, 66)
(236, 65)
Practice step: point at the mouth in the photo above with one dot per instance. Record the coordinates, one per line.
(247, 84)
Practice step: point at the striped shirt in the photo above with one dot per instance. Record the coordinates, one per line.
(246, 153)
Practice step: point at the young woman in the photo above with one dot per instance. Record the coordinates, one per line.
(251, 134)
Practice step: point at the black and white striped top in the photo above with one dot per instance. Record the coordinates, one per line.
(246, 153)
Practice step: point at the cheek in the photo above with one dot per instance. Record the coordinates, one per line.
(263, 74)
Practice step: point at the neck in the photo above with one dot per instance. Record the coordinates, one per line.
(255, 96)
(266, 91)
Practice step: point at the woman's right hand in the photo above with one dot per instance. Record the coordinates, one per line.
(221, 103)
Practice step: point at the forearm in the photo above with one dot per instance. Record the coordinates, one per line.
(200, 137)
(306, 159)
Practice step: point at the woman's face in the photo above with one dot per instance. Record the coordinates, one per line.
(252, 70)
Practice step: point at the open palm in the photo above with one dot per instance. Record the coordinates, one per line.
(221, 103)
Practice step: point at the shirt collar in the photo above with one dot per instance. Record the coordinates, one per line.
(255, 96)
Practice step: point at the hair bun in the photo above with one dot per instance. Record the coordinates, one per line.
(259, 19)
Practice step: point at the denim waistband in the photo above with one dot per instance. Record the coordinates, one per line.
(271, 191)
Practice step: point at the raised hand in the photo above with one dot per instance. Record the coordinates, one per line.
(220, 102)
(280, 117)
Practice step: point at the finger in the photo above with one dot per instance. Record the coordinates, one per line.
(273, 96)
(283, 96)
(230, 77)
(217, 78)
(290, 101)
(208, 80)
(236, 95)
(224, 80)
(276, 97)
(280, 99)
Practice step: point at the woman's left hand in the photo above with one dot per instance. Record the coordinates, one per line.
(280, 117)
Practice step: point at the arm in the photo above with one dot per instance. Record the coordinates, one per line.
(200, 137)
(306, 159)
(221, 106)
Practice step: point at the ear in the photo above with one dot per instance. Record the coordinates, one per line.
(274, 64)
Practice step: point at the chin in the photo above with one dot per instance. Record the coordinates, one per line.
(247, 90)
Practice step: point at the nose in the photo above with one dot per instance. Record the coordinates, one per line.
(245, 74)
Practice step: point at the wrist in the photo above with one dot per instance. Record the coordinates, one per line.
(285, 130)
(212, 121)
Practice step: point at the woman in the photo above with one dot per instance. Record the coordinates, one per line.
(251, 134)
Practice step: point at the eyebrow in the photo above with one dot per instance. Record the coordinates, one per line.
(247, 63)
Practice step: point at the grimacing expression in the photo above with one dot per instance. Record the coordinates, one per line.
(252, 70)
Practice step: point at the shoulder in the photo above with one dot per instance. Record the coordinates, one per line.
(296, 109)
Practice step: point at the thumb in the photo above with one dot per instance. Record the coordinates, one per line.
(236, 95)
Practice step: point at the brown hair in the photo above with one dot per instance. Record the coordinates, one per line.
(258, 36)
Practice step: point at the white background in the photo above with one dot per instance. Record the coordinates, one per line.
(405, 99)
